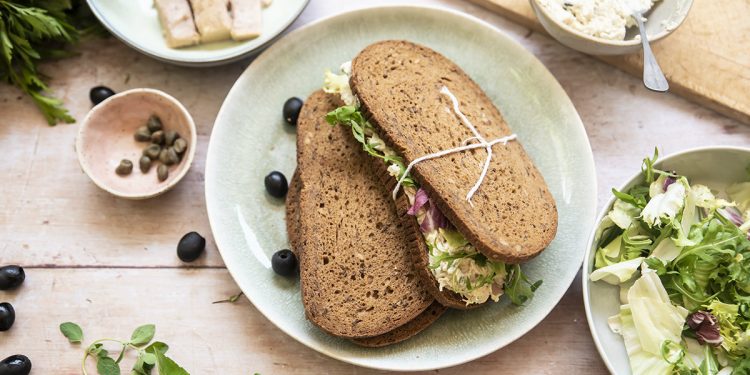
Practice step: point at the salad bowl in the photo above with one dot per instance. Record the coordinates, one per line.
(716, 167)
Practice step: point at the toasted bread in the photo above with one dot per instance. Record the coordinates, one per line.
(398, 83)
(357, 277)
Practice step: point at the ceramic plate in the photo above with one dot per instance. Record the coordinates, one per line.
(136, 23)
(715, 167)
(250, 139)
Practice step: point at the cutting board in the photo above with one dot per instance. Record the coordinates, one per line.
(706, 60)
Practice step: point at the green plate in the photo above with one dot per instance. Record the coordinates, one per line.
(250, 139)
(136, 23)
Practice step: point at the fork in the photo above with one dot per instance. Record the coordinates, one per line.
(653, 78)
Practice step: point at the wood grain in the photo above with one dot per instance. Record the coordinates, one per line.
(208, 338)
(79, 243)
(706, 60)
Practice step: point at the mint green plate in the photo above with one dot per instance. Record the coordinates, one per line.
(136, 23)
(250, 139)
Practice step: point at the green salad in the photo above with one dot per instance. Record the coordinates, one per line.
(680, 254)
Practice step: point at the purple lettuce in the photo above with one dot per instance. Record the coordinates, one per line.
(706, 328)
(433, 218)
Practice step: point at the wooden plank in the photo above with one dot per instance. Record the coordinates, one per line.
(706, 60)
(210, 338)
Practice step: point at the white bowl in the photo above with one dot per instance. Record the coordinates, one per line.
(663, 19)
(716, 167)
(106, 137)
(136, 23)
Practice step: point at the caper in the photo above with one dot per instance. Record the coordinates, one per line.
(152, 151)
(143, 134)
(125, 167)
(157, 137)
(144, 163)
(154, 123)
(180, 145)
(169, 156)
(162, 171)
(170, 136)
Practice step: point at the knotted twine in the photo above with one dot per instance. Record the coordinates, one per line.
(482, 143)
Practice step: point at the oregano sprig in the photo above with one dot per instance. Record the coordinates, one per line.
(150, 354)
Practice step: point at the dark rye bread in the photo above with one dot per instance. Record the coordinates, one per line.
(406, 331)
(398, 83)
(356, 275)
(402, 333)
(292, 214)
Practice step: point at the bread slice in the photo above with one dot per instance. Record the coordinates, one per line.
(402, 333)
(357, 278)
(514, 216)
(406, 331)
(292, 214)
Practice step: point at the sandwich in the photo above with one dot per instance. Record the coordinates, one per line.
(357, 278)
(473, 200)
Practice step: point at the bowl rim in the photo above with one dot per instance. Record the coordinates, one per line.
(614, 43)
(161, 189)
(587, 261)
(222, 59)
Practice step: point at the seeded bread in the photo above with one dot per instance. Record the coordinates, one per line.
(357, 278)
(406, 331)
(292, 214)
(398, 83)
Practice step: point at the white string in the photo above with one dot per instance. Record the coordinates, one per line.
(482, 144)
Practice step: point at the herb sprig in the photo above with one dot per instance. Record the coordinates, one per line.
(150, 354)
(32, 30)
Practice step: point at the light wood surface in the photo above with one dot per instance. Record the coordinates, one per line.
(706, 60)
(110, 264)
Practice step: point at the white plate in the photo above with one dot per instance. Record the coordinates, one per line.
(715, 167)
(136, 23)
(250, 139)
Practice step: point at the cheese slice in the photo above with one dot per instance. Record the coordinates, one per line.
(177, 23)
(247, 20)
(212, 19)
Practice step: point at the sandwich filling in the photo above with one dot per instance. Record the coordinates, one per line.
(454, 262)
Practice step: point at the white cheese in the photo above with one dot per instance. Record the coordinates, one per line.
(606, 19)
(247, 19)
(212, 19)
(177, 23)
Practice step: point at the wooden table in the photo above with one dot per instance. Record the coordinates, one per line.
(110, 264)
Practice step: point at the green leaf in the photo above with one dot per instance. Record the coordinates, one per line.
(167, 366)
(107, 366)
(157, 346)
(97, 350)
(72, 331)
(143, 334)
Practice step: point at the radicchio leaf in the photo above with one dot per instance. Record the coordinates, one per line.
(420, 199)
(706, 328)
(668, 181)
(433, 219)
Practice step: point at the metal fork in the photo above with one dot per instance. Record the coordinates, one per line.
(653, 78)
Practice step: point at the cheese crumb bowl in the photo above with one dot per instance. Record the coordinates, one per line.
(661, 20)
(106, 136)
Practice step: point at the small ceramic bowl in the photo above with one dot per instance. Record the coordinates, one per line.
(663, 19)
(716, 167)
(106, 137)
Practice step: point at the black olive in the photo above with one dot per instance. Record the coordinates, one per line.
(17, 364)
(99, 93)
(7, 317)
(276, 184)
(292, 107)
(284, 262)
(11, 277)
(190, 247)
